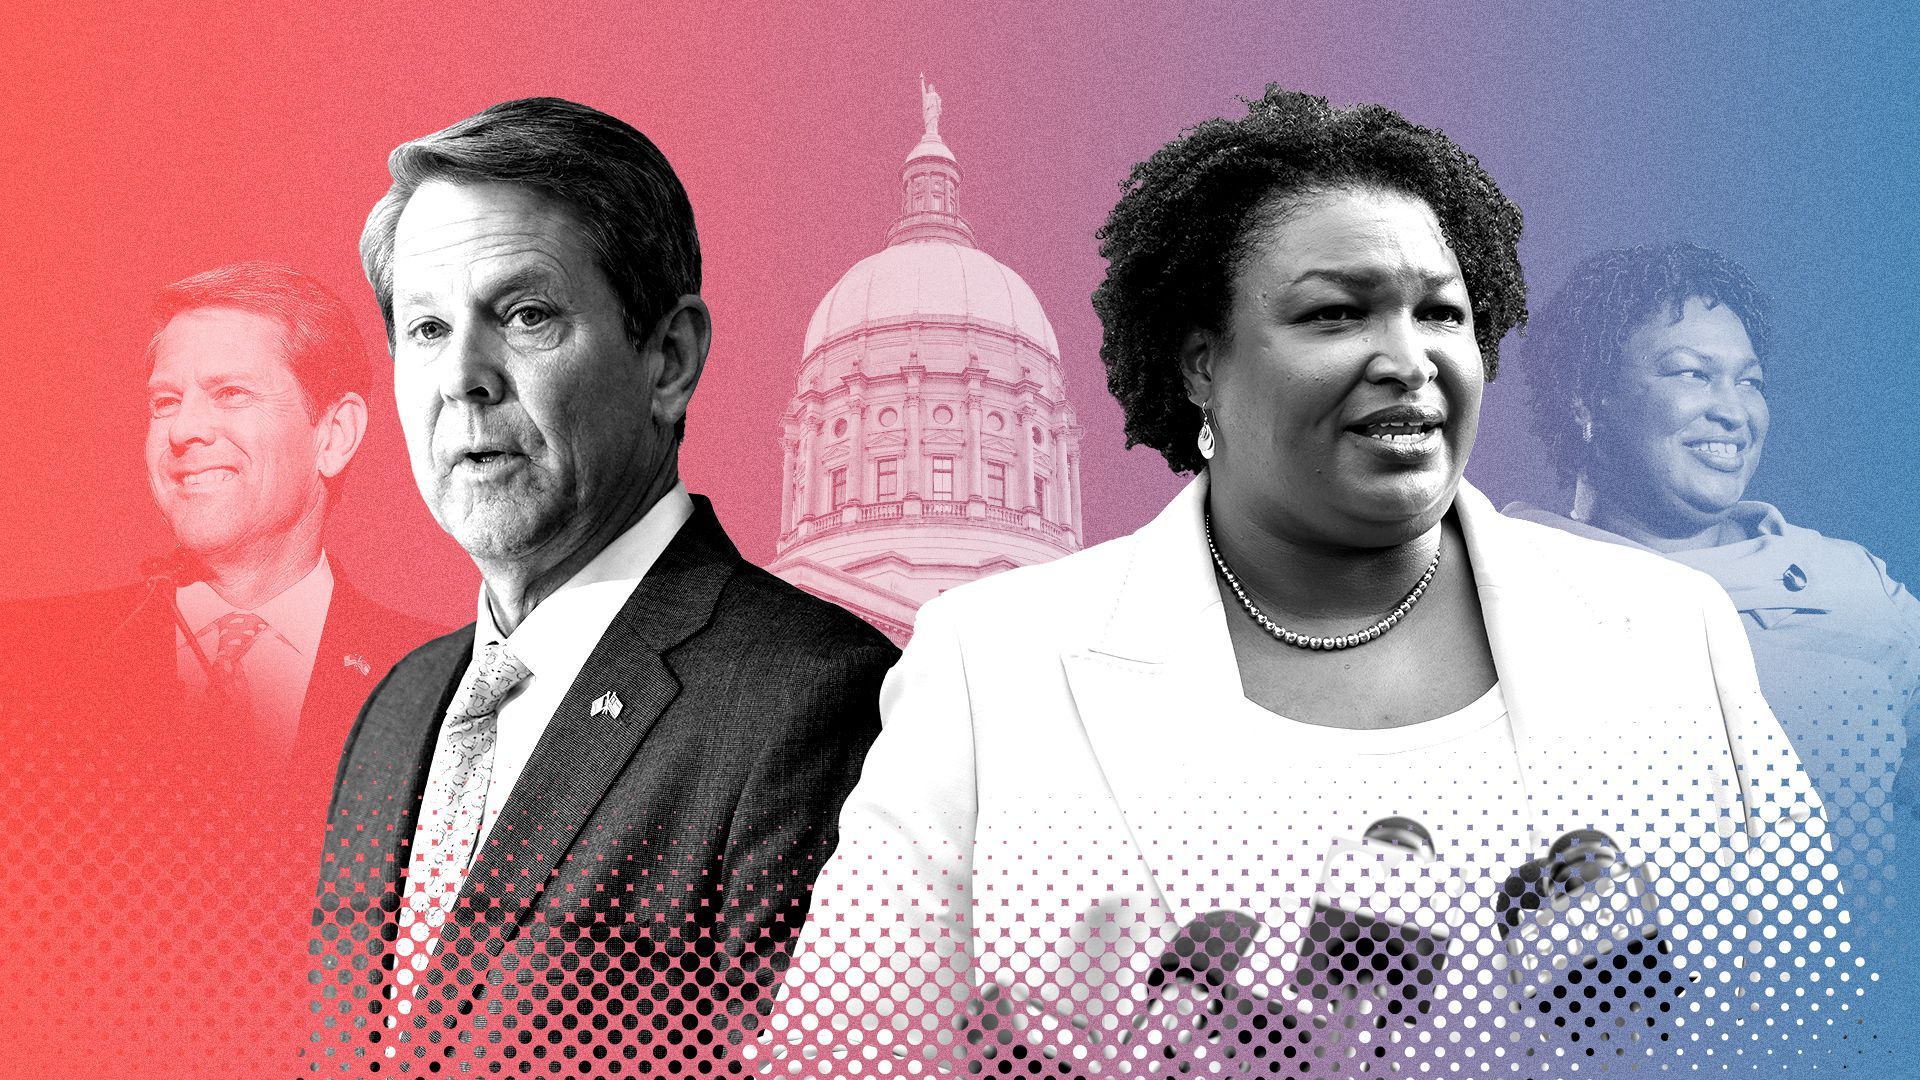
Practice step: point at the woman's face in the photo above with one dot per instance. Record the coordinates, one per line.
(1347, 392)
(1678, 434)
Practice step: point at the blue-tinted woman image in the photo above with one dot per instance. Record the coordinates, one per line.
(1648, 378)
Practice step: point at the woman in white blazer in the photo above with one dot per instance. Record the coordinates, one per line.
(1329, 766)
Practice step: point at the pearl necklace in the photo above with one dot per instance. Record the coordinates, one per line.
(1301, 641)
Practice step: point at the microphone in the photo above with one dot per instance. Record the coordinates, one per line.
(1589, 967)
(1375, 946)
(1374, 949)
(175, 568)
(164, 574)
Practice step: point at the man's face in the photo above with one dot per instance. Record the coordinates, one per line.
(530, 417)
(233, 457)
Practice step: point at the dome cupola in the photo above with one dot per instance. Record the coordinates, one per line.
(929, 440)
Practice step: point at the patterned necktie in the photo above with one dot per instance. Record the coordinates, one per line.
(227, 683)
(456, 797)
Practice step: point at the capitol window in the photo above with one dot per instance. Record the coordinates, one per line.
(997, 483)
(839, 488)
(886, 478)
(1040, 495)
(943, 478)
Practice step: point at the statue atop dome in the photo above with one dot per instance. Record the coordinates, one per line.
(929, 108)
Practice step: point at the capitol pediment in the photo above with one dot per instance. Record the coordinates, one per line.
(893, 561)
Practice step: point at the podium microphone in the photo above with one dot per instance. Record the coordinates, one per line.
(164, 574)
(1590, 969)
(1373, 952)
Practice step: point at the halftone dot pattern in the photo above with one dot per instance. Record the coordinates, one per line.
(158, 883)
(631, 964)
(1836, 644)
(1154, 877)
(1728, 947)
(1845, 685)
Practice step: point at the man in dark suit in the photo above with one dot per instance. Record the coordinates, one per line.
(586, 826)
(175, 741)
(244, 647)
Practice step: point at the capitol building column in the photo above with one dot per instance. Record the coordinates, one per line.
(809, 501)
(788, 475)
(857, 443)
(1025, 434)
(976, 489)
(912, 456)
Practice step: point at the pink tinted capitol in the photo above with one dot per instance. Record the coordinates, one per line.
(929, 441)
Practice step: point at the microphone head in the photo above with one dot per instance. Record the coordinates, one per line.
(1207, 950)
(177, 567)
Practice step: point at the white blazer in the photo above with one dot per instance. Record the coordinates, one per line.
(1034, 823)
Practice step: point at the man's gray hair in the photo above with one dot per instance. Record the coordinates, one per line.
(628, 202)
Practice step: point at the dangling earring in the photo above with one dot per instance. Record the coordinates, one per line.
(1586, 431)
(1205, 442)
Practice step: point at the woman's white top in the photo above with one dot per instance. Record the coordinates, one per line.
(1069, 776)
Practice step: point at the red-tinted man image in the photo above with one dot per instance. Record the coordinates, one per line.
(246, 638)
(177, 737)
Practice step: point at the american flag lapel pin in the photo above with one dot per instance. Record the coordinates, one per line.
(357, 663)
(608, 703)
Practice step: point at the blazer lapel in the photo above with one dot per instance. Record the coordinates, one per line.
(342, 678)
(1135, 684)
(585, 748)
(1544, 636)
(142, 644)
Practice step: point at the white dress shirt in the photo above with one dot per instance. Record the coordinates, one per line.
(277, 666)
(555, 639)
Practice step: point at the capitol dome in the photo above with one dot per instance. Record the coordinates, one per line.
(929, 441)
(929, 279)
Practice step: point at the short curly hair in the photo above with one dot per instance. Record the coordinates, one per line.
(1181, 232)
(1576, 340)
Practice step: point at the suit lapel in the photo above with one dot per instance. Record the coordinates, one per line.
(384, 771)
(338, 684)
(584, 749)
(142, 642)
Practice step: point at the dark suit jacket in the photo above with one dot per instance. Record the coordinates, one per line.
(191, 860)
(67, 655)
(636, 894)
